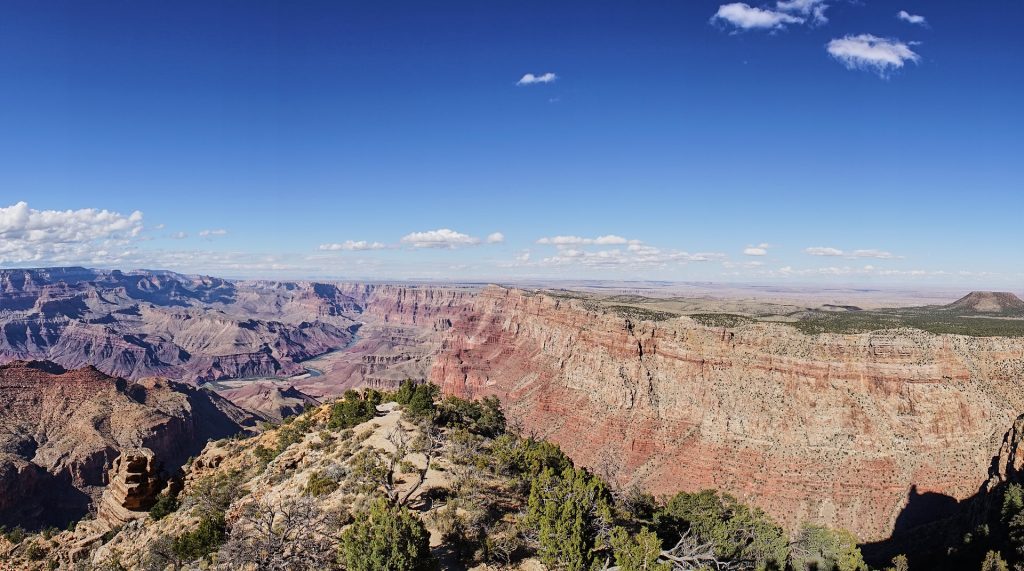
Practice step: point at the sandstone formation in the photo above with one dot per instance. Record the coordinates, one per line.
(838, 429)
(135, 480)
(60, 431)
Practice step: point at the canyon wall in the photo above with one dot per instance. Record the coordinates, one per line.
(146, 323)
(837, 429)
(61, 430)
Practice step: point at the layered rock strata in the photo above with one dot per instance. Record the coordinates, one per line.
(838, 429)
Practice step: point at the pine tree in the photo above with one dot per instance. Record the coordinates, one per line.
(387, 538)
(569, 513)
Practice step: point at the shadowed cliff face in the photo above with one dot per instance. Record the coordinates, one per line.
(61, 430)
(838, 429)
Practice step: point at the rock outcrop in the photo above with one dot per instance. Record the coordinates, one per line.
(61, 431)
(838, 429)
(136, 479)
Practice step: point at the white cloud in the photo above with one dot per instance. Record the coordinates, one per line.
(572, 250)
(606, 240)
(867, 270)
(869, 253)
(748, 17)
(351, 246)
(63, 236)
(758, 250)
(495, 238)
(213, 233)
(912, 18)
(878, 254)
(530, 79)
(822, 251)
(814, 10)
(868, 52)
(441, 238)
(178, 236)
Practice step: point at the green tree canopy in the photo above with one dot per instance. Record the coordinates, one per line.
(386, 538)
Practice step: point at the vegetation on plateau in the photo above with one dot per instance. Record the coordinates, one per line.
(453, 468)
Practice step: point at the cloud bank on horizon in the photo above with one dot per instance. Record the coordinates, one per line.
(104, 238)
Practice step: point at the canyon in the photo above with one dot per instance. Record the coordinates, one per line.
(841, 429)
(61, 432)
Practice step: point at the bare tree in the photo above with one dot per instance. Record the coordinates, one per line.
(428, 443)
(374, 469)
(285, 534)
(691, 553)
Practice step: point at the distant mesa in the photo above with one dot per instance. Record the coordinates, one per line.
(989, 303)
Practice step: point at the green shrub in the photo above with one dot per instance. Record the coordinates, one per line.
(165, 505)
(15, 536)
(526, 456)
(35, 552)
(567, 510)
(203, 540)
(483, 417)
(638, 552)
(823, 548)
(351, 410)
(737, 531)
(418, 400)
(386, 538)
(265, 455)
(320, 484)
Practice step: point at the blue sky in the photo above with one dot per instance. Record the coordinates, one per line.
(806, 140)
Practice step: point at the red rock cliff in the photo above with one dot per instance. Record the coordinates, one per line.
(830, 428)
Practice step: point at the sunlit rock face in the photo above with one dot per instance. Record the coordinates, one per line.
(838, 429)
(147, 323)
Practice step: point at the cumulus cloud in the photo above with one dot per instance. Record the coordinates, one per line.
(746, 17)
(866, 253)
(530, 79)
(64, 236)
(495, 238)
(813, 10)
(912, 18)
(351, 246)
(441, 238)
(871, 53)
(214, 233)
